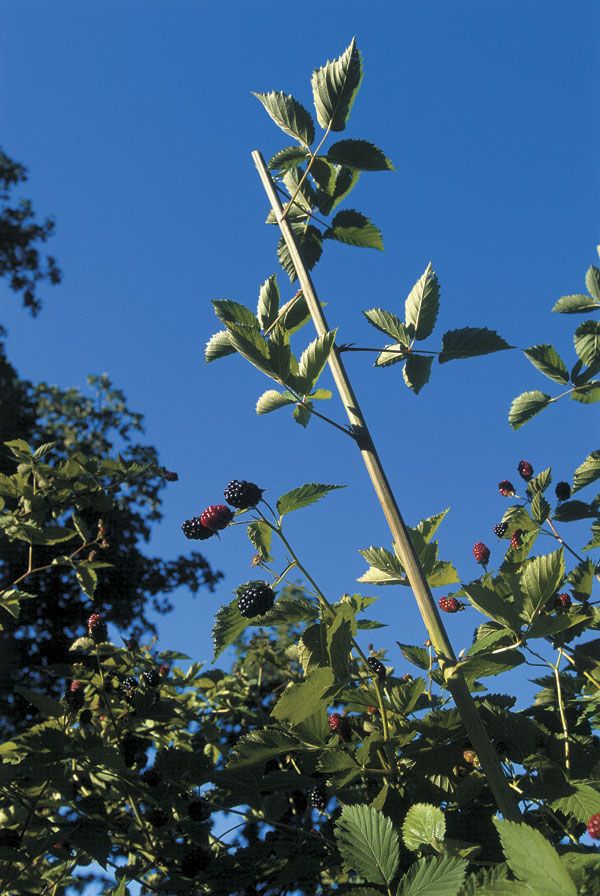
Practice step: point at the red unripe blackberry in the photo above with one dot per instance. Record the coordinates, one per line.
(317, 797)
(74, 696)
(500, 529)
(151, 677)
(9, 837)
(450, 604)
(255, 599)
(163, 670)
(97, 629)
(339, 725)
(194, 860)
(216, 517)
(199, 810)
(562, 491)
(481, 553)
(525, 470)
(241, 494)
(506, 488)
(563, 601)
(517, 539)
(195, 530)
(593, 826)
(377, 667)
(156, 817)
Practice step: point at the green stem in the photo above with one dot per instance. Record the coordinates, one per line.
(313, 156)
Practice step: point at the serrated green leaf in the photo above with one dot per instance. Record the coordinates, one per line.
(438, 876)
(416, 371)
(581, 803)
(252, 346)
(272, 400)
(568, 511)
(368, 843)
(391, 354)
(260, 534)
(280, 353)
(313, 360)
(443, 573)
(491, 604)
(355, 229)
(287, 158)
(551, 625)
(340, 633)
(540, 482)
(423, 825)
(470, 342)
(533, 860)
(294, 314)
(310, 246)
(359, 154)
(303, 496)
(481, 666)
(387, 323)
(330, 195)
(258, 747)
(230, 312)
(387, 566)
(423, 304)
(587, 342)
(592, 282)
(228, 626)
(218, 346)
(88, 579)
(587, 472)
(289, 115)
(299, 701)
(48, 707)
(302, 413)
(577, 304)
(548, 361)
(594, 541)
(540, 579)
(526, 406)
(539, 508)
(587, 394)
(429, 526)
(581, 579)
(335, 86)
(268, 302)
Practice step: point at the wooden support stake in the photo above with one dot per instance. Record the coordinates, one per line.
(437, 633)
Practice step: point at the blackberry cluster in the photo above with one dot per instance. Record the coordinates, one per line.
(199, 810)
(317, 797)
(242, 494)
(450, 604)
(194, 860)
(216, 517)
(377, 667)
(516, 539)
(151, 677)
(340, 725)
(562, 491)
(74, 696)
(97, 628)
(506, 488)
(500, 529)
(525, 470)
(481, 553)
(255, 599)
(195, 530)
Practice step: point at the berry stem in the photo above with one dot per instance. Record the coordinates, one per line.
(313, 156)
(561, 710)
(561, 540)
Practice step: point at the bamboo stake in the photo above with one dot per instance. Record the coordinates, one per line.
(439, 638)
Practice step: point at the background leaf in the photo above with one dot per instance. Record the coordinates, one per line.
(470, 342)
(525, 406)
(548, 361)
(303, 496)
(359, 154)
(368, 843)
(424, 824)
(355, 229)
(289, 115)
(439, 876)
(335, 86)
(423, 304)
(533, 860)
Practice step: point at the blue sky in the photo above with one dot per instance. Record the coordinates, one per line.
(136, 122)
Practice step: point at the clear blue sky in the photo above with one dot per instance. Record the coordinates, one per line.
(136, 122)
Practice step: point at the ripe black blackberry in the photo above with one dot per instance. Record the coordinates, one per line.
(195, 530)
(133, 749)
(500, 529)
(562, 491)
(241, 494)
(317, 797)
(97, 629)
(85, 717)
(130, 683)
(194, 860)
(151, 677)
(255, 598)
(199, 810)
(377, 667)
(156, 817)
